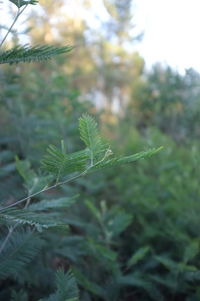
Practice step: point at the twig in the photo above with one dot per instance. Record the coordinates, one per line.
(107, 153)
(10, 231)
(45, 189)
(19, 12)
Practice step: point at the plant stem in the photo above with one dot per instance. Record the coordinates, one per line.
(57, 184)
(45, 189)
(28, 198)
(10, 231)
(19, 12)
(12, 228)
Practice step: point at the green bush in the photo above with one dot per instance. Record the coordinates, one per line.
(39, 233)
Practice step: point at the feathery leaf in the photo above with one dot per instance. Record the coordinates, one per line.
(28, 217)
(89, 134)
(29, 54)
(20, 3)
(125, 159)
(20, 250)
(60, 164)
(67, 289)
(53, 204)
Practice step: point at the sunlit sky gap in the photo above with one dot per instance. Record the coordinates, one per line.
(171, 30)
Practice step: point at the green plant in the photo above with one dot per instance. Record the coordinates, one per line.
(28, 223)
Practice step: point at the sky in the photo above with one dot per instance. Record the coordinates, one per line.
(171, 31)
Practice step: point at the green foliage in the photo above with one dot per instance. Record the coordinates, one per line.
(60, 164)
(163, 233)
(19, 251)
(29, 54)
(168, 100)
(33, 182)
(132, 233)
(89, 133)
(46, 205)
(19, 248)
(50, 214)
(66, 288)
(20, 3)
(126, 159)
(29, 217)
(139, 255)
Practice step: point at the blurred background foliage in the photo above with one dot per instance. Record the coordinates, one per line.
(135, 231)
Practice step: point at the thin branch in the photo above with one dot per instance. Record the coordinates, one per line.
(45, 189)
(28, 199)
(107, 153)
(10, 232)
(12, 228)
(19, 12)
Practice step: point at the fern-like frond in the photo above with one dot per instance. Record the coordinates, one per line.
(67, 289)
(57, 204)
(27, 217)
(20, 3)
(60, 164)
(33, 182)
(31, 53)
(90, 135)
(94, 157)
(19, 251)
(125, 159)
